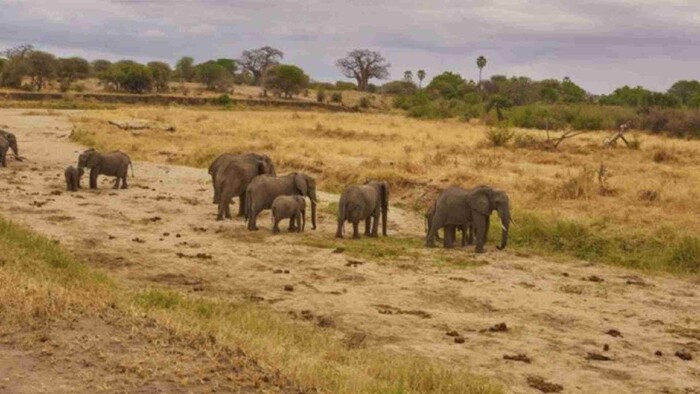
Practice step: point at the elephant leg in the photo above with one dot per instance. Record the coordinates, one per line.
(276, 227)
(432, 232)
(241, 205)
(450, 235)
(339, 231)
(292, 226)
(116, 183)
(227, 211)
(470, 238)
(486, 229)
(356, 229)
(224, 211)
(252, 220)
(93, 178)
(124, 184)
(375, 224)
(368, 226)
(215, 199)
(480, 230)
(465, 230)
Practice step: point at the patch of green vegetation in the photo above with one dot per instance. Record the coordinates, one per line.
(331, 208)
(56, 104)
(158, 299)
(680, 255)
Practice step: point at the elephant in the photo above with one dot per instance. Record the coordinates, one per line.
(292, 208)
(4, 146)
(232, 175)
(364, 202)
(12, 140)
(247, 159)
(263, 190)
(114, 163)
(471, 207)
(73, 176)
(449, 230)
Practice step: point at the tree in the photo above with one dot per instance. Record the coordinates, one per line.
(162, 73)
(214, 76)
(99, 66)
(408, 76)
(499, 103)
(184, 69)
(129, 76)
(286, 79)
(73, 68)
(421, 77)
(447, 85)
(16, 66)
(481, 63)
(687, 92)
(572, 93)
(401, 88)
(257, 61)
(229, 64)
(42, 66)
(363, 64)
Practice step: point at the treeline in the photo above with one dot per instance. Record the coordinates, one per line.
(550, 104)
(26, 68)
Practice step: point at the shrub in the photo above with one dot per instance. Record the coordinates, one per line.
(286, 79)
(402, 88)
(337, 97)
(576, 186)
(78, 87)
(649, 195)
(663, 155)
(224, 100)
(321, 95)
(526, 141)
(499, 135)
(365, 102)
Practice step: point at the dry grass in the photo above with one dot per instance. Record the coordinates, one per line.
(345, 148)
(42, 285)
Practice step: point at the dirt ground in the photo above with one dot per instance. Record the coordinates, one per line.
(585, 326)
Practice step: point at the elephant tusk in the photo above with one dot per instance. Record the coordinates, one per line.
(503, 227)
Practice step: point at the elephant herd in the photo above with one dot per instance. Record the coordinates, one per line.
(252, 178)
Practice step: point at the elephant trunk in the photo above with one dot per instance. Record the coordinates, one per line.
(504, 215)
(314, 200)
(15, 150)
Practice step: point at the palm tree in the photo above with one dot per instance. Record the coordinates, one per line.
(408, 76)
(481, 63)
(421, 77)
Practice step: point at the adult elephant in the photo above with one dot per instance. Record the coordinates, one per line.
(114, 163)
(450, 231)
(364, 202)
(464, 207)
(12, 140)
(232, 175)
(250, 160)
(263, 190)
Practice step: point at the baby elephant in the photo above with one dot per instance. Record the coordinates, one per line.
(73, 176)
(4, 146)
(292, 208)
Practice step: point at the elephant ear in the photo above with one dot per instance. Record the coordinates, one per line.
(262, 167)
(480, 201)
(92, 159)
(300, 183)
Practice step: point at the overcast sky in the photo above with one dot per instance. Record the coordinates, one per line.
(600, 44)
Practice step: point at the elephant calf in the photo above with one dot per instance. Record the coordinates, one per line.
(364, 202)
(12, 141)
(264, 189)
(4, 146)
(292, 208)
(111, 164)
(73, 176)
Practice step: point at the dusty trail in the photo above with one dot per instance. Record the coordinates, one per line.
(162, 231)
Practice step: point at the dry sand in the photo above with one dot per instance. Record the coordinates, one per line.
(162, 231)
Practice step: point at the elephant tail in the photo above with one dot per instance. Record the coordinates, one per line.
(132, 168)
(272, 216)
(248, 206)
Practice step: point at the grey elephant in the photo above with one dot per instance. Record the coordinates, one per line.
(231, 176)
(462, 207)
(364, 202)
(263, 190)
(73, 176)
(292, 208)
(250, 159)
(4, 147)
(449, 230)
(114, 163)
(12, 140)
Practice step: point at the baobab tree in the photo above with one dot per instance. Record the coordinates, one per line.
(363, 64)
(481, 63)
(421, 77)
(257, 61)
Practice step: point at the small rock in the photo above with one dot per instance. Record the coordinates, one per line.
(658, 353)
(606, 347)
(518, 357)
(594, 278)
(684, 355)
(500, 327)
(459, 339)
(138, 240)
(544, 386)
(614, 333)
(597, 357)
(177, 235)
(288, 288)
(452, 333)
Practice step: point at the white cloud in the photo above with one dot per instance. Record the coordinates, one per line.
(202, 28)
(153, 33)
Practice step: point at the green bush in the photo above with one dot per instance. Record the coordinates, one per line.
(365, 102)
(337, 97)
(224, 100)
(321, 95)
(499, 135)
